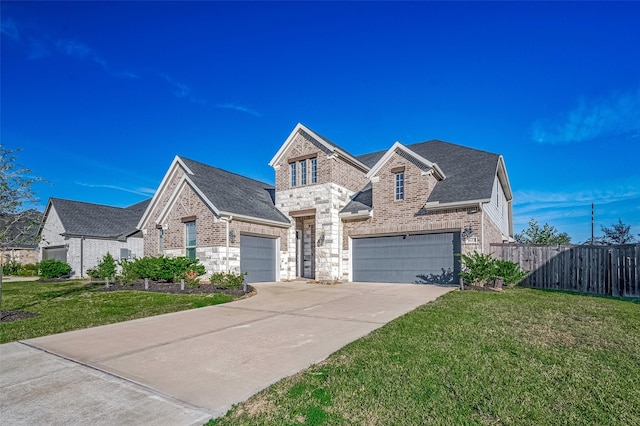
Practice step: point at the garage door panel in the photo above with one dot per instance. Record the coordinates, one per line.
(258, 258)
(426, 258)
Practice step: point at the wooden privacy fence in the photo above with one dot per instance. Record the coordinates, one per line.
(606, 270)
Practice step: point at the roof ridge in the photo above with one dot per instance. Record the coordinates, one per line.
(451, 143)
(88, 203)
(226, 171)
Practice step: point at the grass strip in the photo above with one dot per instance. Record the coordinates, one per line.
(72, 305)
(520, 357)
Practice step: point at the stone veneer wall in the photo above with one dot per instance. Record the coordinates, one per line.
(337, 182)
(327, 199)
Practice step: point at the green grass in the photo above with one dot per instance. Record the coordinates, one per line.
(520, 357)
(72, 305)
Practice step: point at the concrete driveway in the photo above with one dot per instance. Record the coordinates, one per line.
(186, 367)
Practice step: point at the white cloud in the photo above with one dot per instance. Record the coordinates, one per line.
(9, 29)
(138, 191)
(617, 114)
(182, 91)
(239, 108)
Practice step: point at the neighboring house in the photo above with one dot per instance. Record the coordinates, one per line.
(18, 237)
(82, 233)
(399, 215)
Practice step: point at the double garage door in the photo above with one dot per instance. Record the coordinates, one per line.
(425, 258)
(258, 258)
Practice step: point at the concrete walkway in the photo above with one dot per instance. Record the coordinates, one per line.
(189, 366)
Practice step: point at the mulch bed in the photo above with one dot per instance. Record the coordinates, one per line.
(9, 316)
(173, 288)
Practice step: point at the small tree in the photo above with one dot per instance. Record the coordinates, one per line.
(16, 190)
(546, 234)
(618, 233)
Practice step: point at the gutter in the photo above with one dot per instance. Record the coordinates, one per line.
(361, 214)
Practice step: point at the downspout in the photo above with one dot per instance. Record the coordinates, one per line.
(228, 219)
(82, 256)
(481, 228)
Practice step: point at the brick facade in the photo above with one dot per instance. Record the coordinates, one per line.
(211, 231)
(317, 244)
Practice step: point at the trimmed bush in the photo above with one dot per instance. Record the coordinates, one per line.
(168, 269)
(53, 268)
(228, 280)
(105, 269)
(11, 268)
(484, 270)
(28, 270)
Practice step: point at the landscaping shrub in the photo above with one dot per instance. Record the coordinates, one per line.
(484, 270)
(11, 268)
(53, 268)
(510, 272)
(28, 270)
(168, 269)
(105, 269)
(229, 280)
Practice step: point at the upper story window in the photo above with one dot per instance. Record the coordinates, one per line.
(314, 170)
(294, 177)
(399, 186)
(303, 172)
(190, 234)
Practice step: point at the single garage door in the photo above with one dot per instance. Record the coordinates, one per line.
(258, 258)
(58, 253)
(426, 258)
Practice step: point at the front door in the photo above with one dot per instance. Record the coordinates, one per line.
(306, 247)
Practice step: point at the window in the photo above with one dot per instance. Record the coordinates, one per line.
(400, 186)
(293, 174)
(161, 240)
(190, 228)
(303, 172)
(125, 253)
(314, 170)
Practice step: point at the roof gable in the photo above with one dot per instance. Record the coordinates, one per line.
(224, 192)
(397, 147)
(326, 144)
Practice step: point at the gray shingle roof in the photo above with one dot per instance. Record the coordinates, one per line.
(363, 200)
(469, 172)
(234, 193)
(97, 220)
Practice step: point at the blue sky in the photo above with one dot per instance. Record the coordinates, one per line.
(100, 96)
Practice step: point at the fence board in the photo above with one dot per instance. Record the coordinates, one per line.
(607, 270)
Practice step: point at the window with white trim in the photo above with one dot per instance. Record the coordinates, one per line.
(399, 186)
(190, 243)
(314, 170)
(294, 180)
(303, 172)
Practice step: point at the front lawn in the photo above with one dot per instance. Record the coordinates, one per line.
(71, 305)
(520, 357)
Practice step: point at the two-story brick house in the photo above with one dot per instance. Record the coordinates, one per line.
(398, 215)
